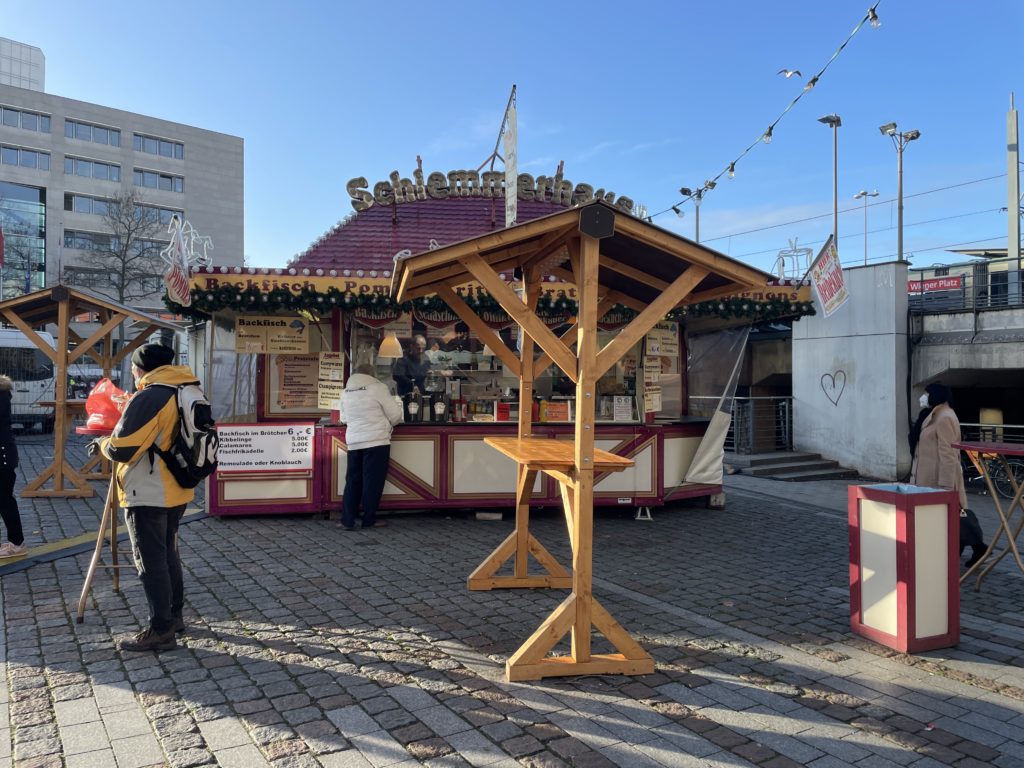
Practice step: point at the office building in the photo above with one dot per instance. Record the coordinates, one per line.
(63, 160)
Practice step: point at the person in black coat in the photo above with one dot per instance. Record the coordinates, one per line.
(15, 544)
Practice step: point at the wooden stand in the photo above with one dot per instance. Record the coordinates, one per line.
(978, 453)
(612, 258)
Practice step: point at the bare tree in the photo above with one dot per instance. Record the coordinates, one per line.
(125, 264)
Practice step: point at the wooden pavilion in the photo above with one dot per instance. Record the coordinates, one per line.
(613, 258)
(59, 305)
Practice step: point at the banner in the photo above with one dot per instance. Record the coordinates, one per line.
(827, 279)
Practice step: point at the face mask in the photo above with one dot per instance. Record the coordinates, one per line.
(924, 400)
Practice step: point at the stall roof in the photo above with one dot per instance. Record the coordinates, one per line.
(42, 307)
(370, 239)
(638, 260)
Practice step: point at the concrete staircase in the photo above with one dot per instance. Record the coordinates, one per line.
(788, 465)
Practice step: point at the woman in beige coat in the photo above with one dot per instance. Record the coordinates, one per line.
(936, 461)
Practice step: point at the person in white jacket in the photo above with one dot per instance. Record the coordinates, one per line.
(369, 412)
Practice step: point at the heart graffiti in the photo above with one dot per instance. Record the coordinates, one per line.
(833, 385)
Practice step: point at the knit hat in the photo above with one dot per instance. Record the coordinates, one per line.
(151, 356)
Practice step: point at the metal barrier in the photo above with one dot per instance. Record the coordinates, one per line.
(992, 433)
(989, 284)
(759, 424)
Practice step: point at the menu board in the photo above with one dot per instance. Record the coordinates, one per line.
(328, 394)
(264, 447)
(296, 381)
(331, 367)
(263, 334)
(622, 410)
(652, 399)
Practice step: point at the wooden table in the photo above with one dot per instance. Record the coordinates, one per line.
(579, 611)
(980, 453)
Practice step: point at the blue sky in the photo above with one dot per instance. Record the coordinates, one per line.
(639, 98)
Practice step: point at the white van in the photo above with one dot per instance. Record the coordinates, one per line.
(33, 376)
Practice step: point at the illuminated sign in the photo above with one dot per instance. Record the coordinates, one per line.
(180, 256)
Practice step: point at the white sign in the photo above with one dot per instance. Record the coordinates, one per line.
(180, 257)
(264, 447)
(827, 279)
(511, 169)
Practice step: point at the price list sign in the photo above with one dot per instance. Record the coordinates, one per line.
(265, 448)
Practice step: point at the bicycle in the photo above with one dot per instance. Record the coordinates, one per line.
(996, 471)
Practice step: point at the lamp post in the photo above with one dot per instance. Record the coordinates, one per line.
(865, 194)
(900, 139)
(833, 121)
(697, 195)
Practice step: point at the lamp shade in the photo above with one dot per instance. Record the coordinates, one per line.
(390, 347)
(487, 351)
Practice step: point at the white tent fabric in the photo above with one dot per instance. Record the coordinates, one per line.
(707, 465)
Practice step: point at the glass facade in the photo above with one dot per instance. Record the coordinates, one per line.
(23, 220)
(98, 134)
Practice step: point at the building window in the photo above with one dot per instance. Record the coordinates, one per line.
(155, 146)
(85, 277)
(89, 241)
(941, 271)
(96, 206)
(30, 121)
(98, 134)
(26, 158)
(91, 169)
(154, 180)
(163, 214)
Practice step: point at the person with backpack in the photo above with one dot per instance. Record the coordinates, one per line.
(152, 498)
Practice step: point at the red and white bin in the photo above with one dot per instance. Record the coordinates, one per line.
(905, 565)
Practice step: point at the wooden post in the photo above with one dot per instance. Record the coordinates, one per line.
(583, 492)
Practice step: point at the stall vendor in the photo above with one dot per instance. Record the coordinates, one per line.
(411, 370)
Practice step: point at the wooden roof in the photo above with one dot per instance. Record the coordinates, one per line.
(42, 307)
(638, 260)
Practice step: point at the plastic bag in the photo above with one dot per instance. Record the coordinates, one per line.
(103, 405)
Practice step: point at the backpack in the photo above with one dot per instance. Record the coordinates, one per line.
(192, 456)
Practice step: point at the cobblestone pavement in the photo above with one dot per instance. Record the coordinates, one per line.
(312, 646)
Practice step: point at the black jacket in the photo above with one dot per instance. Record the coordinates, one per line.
(8, 448)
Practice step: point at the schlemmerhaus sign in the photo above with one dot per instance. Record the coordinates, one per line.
(439, 186)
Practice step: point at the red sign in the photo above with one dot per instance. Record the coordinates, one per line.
(935, 284)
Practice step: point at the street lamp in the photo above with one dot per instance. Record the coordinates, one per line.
(864, 194)
(833, 121)
(900, 139)
(697, 195)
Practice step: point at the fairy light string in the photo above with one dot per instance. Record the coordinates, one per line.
(870, 17)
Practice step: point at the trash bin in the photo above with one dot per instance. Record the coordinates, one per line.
(904, 565)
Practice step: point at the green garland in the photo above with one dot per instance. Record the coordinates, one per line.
(254, 301)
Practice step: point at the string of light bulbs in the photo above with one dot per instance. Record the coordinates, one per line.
(870, 17)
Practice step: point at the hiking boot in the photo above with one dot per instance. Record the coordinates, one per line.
(149, 640)
(179, 625)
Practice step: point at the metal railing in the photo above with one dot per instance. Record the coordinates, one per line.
(992, 433)
(989, 284)
(759, 424)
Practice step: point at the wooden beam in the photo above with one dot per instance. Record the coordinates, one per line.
(473, 320)
(134, 344)
(650, 317)
(34, 337)
(633, 273)
(693, 253)
(85, 346)
(529, 321)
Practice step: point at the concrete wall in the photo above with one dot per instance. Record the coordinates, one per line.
(850, 373)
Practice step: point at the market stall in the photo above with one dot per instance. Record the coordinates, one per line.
(280, 342)
(60, 305)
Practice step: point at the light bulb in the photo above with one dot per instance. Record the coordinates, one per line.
(873, 18)
(767, 138)
(732, 170)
